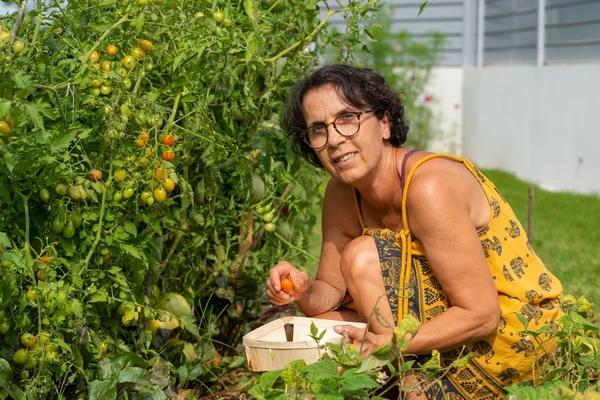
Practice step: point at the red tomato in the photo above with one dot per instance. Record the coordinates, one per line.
(168, 140)
(168, 155)
(111, 50)
(287, 285)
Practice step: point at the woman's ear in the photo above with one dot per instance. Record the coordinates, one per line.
(385, 125)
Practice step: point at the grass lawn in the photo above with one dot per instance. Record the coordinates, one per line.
(566, 233)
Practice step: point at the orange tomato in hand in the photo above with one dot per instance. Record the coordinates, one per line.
(287, 285)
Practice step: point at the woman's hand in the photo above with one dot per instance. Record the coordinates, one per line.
(356, 336)
(284, 270)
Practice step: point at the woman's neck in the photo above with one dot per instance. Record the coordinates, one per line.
(382, 188)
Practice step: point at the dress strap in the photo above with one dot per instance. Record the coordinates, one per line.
(358, 208)
(404, 235)
(403, 169)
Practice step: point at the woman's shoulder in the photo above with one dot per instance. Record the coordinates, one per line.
(433, 169)
(339, 207)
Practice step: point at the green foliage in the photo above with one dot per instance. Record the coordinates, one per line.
(100, 222)
(569, 373)
(406, 65)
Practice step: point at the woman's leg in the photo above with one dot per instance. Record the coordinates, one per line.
(361, 268)
(362, 273)
(341, 314)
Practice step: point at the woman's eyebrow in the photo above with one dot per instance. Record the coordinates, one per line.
(343, 110)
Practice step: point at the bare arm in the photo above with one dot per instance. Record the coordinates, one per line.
(327, 290)
(440, 202)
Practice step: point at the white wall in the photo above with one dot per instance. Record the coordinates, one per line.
(445, 89)
(542, 124)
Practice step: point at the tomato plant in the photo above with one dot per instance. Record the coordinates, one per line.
(131, 132)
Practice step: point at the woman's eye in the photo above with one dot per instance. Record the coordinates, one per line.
(318, 129)
(346, 116)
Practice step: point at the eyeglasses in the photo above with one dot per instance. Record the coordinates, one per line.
(346, 124)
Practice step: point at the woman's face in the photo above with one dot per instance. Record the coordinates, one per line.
(347, 159)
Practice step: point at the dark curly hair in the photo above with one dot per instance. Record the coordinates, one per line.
(359, 87)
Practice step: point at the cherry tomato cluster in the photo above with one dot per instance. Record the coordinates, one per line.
(267, 214)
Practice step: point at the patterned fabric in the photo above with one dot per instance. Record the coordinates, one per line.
(523, 283)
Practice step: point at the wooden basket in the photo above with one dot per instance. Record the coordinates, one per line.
(268, 347)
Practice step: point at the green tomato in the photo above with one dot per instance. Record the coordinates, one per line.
(77, 219)
(105, 90)
(268, 217)
(218, 16)
(258, 189)
(226, 22)
(44, 195)
(58, 224)
(69, 230)
(270, 227)
(61, 189)
(118, 196)
(129, 192)
(4, 327)
(74, 193)
(120, 175)
(21, 356)
(18, 47)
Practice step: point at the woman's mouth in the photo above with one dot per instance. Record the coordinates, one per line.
(343, 158)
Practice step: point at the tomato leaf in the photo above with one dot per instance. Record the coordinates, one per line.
(422, 8)
(103, 390)
(6, 377)
(61, 141)
(134, 375)
(21, 79)
(133, 251)
(130, 228)
(9, 160)
(33, 110)
(189, 325)
(109, 367)
(4, 240)
(4, 107)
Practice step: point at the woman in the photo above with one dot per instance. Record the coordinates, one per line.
(429, 233)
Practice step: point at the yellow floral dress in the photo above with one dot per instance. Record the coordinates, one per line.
(523, 283)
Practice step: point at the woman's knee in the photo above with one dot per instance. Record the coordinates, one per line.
(360, 259)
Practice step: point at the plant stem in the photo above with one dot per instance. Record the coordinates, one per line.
(60, 109)
(295, 247)
(308, 38)
(107, 32)
(38, 25)
(99, 233)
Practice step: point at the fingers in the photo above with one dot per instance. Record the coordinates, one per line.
(365, 343)
(277, 297)
(353, 333)
(301, 281)
(283, 269)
